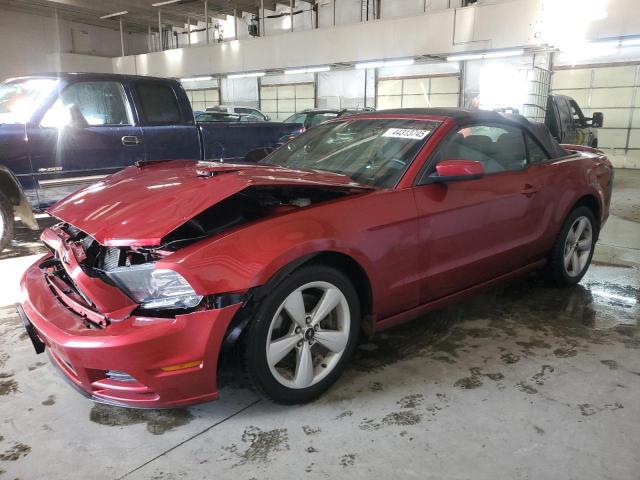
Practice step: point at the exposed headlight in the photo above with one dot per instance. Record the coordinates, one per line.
(154, 288)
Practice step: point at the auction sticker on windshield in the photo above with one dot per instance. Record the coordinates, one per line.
(408, 133)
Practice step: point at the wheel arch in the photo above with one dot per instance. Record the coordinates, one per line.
(10, 188)
(341, 261)
(592, 203)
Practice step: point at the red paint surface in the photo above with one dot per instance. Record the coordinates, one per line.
(418, 245)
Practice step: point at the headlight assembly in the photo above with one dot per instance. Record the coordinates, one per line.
(154, 288)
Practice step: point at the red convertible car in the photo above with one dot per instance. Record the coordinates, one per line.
(357, 225)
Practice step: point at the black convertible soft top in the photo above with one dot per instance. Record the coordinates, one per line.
(464, 116)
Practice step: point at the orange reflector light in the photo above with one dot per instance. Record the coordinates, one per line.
(181, 366)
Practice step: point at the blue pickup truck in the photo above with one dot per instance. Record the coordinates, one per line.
(61, 132)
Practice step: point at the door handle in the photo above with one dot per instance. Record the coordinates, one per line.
(529, 190)
(131, 140)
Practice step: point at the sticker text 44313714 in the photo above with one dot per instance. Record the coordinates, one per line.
(406, 133)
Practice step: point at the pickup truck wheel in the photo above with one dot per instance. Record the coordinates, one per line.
(302, 335)
(572, 252)
(6, 222)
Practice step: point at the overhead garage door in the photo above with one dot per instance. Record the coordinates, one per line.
(282, 101)
(204, 98)
(614, 91)
(417, 92)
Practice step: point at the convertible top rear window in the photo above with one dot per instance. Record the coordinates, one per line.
(373, 152)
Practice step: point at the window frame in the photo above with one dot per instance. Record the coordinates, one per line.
(125, 98)
(422, 178)
(144, 121)
(527, 135)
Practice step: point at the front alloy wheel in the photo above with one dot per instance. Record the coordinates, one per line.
(308, 335)
(302, 335)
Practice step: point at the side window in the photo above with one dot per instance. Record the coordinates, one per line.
(535, 153)
(578, 117)
(564, 111)
(158, 104)
(89, 104)
(498, 148)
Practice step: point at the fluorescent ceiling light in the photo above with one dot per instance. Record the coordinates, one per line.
(369, 65)
(247, 75)
(117, 14)
(399, 63)
(306, 70)
(166, 2)
(481, 56)
(196, 79)
(630, 41)
(504, 53)
(386, 63)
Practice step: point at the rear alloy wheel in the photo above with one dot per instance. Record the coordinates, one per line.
(303, 335)
(6, 222)
(573, 250)
(577, 246)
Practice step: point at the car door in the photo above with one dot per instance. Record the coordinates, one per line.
(88, 132)
(168, 131)
(476, 230)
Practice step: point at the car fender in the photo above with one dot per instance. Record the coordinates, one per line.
(209, 274)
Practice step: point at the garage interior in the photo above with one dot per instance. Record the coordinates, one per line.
(523, 381)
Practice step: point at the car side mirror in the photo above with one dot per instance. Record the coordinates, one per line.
(597, 120)
(267, 118)
(456, 170)
(258, 154)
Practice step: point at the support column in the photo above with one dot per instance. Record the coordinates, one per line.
(206, 21)
(235, 23)
(160, 30)
(121, 38)
(263, 32)
(291, 13)
(334, 12)
(189, 30)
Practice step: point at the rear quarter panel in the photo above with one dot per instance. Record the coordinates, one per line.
(587, 172)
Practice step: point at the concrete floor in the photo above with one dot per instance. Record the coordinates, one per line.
(522, 382)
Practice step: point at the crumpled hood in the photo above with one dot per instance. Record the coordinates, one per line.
(138, 206)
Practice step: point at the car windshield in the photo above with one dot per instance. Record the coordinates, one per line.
(21, 97)
(372, 152)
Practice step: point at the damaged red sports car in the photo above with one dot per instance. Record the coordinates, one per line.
(355, 226)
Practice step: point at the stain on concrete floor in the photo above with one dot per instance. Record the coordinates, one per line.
(158, 421)
(262, 445)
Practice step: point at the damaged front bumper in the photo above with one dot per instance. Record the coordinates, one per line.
(142, 362)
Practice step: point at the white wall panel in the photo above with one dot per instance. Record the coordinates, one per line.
(341, 89)
(71, 62)
(611, 97)
(575, 78)
(614, 76)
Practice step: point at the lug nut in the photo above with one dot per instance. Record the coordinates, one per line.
(308, 320)
(316, 328)
(298, 329)
(300, 343)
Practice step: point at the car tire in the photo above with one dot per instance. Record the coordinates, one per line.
(570, 256)
(293, 317)
(6, 222)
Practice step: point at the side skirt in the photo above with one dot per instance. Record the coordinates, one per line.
(454, 297)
